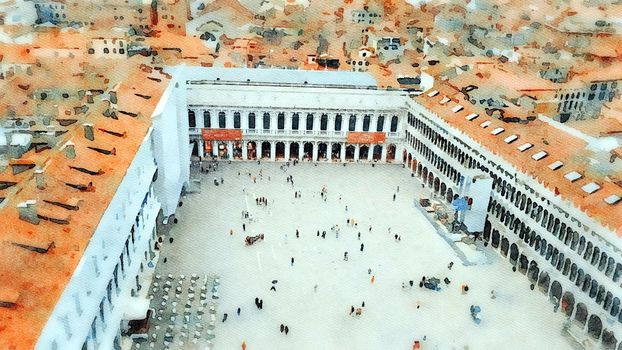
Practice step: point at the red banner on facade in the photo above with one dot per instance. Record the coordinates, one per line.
(366, 137)
(221, 134)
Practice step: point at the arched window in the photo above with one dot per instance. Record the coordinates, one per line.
(366, 120)
(236, 120)
(266, 121)
(280, 123)
(352, 123)
(251, 121)
(192, 121)
(338, 119)
(380, 123)
(222, 120)
(309, 121)
(295, 121)
(324, 122)
(207, 119)
(394, 123)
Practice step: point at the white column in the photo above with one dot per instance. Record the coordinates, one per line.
(314, 153)
(301, 149)
(215, 148)
(288, 123)
(244, 149)
(287, 151)
(399, 149)
(370, 153)
(201, 148)
(272, 151)
(259, 150)
(356, 152)
(384, 153)
(342, 153)
(329, 152)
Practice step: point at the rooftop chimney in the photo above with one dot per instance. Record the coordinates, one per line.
(40, 179)
(28, 211)
(88, 131)
(70, 150)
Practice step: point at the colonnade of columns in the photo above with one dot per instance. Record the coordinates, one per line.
(303, 150)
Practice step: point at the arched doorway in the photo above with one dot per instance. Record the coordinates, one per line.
(443, 189)
(265, 150)
(437, 185)
(391, 153)
(556, 291)
(505, 245)
(336, 152)
(594, 326)
(544, 282)
(609, 340)
(403, 154)
(280, 150)
(377, 154)
(322, 151)
(223, 150)
(350, 152)
(308, 150)
(581, 314)
(450, 195)
(294, 150)
(363, 152)
(195, 148)
(495, 239)
(513, 254)
(567, 304)
(424, 174)
(419, 169)
(251, 150)
(430, 179)
(237, 150)
(409, 159)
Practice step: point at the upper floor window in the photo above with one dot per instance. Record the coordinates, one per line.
(207, 119)
(324, 122)
(192, 121)
(338, 122)
(295, 121)
(309, 121)
(352, 123)
(266, 121)
(236, 120)
(394, 124)
(380, 123)
(222, 120)
(366, 121)
(280, 121)
(251, 120)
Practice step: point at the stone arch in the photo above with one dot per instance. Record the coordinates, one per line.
(567, 303)
(594, 326)
(544, 282)
(556, 290)
(581, 315)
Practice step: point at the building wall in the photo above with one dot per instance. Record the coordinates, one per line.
(91, 306)
(566, 254)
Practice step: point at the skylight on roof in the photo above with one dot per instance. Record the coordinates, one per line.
(556, 165)
(433, 93)
(511, 139)
(457, 108)
(573, 176)
(524, 147)
(613, 199)
(444, 100)
(497, 131)
(471, 116)
(539, 155)
(485, 124)
(590, 188)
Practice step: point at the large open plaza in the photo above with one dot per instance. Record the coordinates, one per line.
(319, 318)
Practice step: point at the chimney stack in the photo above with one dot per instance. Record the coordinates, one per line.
(70, 150)
(88, 131)
(40, 179)
(28, 211)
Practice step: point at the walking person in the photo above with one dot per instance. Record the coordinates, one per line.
(239, 311)
(345, 256)
(292, 261)
(286, 330)
(224, 317)
(359, 236)
(394, 197)
(243, 227)
(282, 328)
(362, 246)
